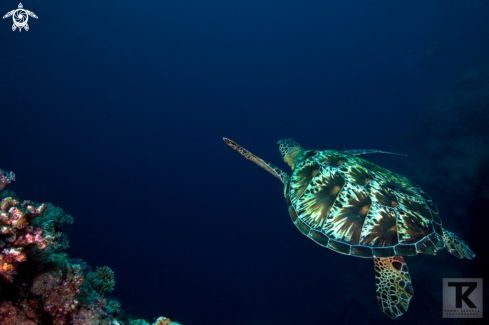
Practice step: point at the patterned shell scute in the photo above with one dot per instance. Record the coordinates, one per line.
(355, 207)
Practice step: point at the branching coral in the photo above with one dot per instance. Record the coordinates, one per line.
(16, 235)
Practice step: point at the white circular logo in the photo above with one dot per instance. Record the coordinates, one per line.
(20, 17)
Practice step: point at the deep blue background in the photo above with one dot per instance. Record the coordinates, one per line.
(115, 110)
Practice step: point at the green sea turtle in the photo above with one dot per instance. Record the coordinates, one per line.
(354, 207)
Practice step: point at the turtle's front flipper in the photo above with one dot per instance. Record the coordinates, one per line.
(8, 14)
(30, 13)
(393, 282)
(456, 246)
(358, 152)
(263, 164)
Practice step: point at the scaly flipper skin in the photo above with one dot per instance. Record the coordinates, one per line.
(457, 246)
(275, 171)
(393, 283)
(358, 152)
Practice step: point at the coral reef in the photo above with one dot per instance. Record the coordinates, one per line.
(58, 291)
(39, 283)
(17, 237)
(13, 315)
(159, 321)
(165, 321)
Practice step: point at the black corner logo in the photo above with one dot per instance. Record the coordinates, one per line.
(462, 298)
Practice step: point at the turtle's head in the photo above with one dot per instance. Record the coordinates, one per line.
(290, 151)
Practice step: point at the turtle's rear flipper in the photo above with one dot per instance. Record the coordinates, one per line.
(14, 28)
(26, 27)
(457, 246)
(393, 285)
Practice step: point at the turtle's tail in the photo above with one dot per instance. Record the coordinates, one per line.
(457, 246)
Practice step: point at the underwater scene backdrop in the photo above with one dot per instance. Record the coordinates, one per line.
(115, 111)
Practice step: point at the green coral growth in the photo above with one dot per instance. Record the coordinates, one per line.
(5, 193)
(138, 322)
(51, 220)
(102, 280)
(53, 215)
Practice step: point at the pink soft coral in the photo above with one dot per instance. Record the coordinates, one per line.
(16, 234)
(5, 178)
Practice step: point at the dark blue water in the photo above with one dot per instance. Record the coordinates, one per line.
(115, 112)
